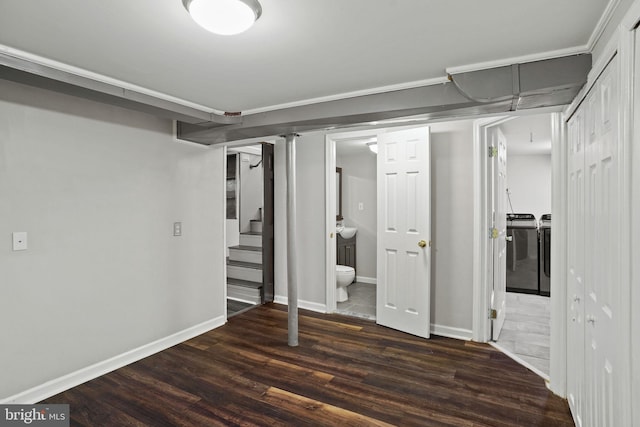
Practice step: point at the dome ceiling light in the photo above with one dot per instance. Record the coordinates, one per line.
(224, 17)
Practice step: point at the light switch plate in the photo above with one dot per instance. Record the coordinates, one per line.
(177, 229)
(20, 241)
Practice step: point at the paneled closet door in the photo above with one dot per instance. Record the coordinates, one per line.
(595, 371)
(601, 284)
(575, 285)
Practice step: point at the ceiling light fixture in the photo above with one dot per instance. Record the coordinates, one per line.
(373, 146)
(224, 17)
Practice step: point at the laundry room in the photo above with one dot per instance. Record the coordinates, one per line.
(527, 324)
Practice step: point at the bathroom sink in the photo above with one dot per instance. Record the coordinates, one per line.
(348, 232)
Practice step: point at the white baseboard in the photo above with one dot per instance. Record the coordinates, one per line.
(307, 305)
(370, 280)
(449, 332)
(58, 385)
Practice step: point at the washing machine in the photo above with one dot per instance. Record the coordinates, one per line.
(544, 270)
(522, 253)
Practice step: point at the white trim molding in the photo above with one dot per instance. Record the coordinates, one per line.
(81, 72)
(602, 24)
(451, 332)
(558, 337)
(368, 280)
(347, 95)
(541, 56)
(58, 385)
(330, 221)
(306, 305)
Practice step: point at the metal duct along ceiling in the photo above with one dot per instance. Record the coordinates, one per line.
(524, 86)
(497, 90)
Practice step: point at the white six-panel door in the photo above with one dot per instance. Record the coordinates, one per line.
(575, 256)
(595, 373)
(404, 231)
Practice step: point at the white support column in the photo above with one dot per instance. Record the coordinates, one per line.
(292, 279)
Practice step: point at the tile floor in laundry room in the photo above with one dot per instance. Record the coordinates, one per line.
(526, 331)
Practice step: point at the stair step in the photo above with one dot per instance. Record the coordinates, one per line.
(252, 254)
(249, 271)
(255, 226)
(251, 239)
(244, 290)
(244, 283)
(241, 293)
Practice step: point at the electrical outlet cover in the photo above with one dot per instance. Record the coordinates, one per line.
(20, 241)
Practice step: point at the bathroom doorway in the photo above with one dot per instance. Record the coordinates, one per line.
(356, 221)
(352, 213)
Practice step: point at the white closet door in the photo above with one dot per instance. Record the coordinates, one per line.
(597, 332)
(575, 285)
(601, 284)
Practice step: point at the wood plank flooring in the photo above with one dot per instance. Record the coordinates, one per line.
(346, 371)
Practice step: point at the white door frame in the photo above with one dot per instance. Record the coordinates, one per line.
(559, 246)
(630, 137)
(330, 205)
(482, 244)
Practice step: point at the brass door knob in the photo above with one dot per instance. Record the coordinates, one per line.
(422, 243)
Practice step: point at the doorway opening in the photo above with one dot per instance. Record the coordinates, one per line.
(356, 222)
(518, 212)
(249, 227)
(352, 213)
(397, 184)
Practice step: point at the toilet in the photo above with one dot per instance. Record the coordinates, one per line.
(344, 277)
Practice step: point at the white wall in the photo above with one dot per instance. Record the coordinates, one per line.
(452, 225)
(529, 183)
(98, 188)
(251, 186)
(310, 220)
(452, 228)
(359, 186)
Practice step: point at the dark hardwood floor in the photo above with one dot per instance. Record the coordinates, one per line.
(346, 371)
(236, 307)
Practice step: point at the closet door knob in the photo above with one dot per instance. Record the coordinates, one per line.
(422, 243)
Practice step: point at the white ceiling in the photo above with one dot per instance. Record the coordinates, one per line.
(529, 134)
(299, 49)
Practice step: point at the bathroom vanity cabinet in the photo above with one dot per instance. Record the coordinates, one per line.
(346, 251)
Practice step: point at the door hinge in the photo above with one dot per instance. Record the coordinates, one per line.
(493, 152)
(493, 233)
(493, 314)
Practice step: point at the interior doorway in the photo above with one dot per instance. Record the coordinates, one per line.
(249, 226)
(518, 269)
(386, 203)
(356, 233)
(352, 213)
